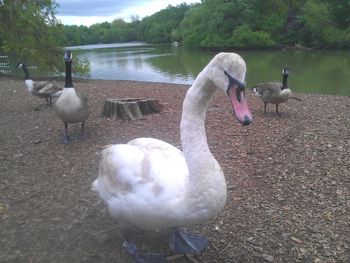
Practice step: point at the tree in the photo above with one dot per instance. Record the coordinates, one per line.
(212, 23)
(29, 29)
(340, 10)
(161, 27)
(319, 25)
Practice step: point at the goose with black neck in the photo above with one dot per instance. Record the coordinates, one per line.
(274, 92)
(40, 89)
(71, 106)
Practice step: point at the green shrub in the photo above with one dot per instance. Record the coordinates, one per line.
(244, 37)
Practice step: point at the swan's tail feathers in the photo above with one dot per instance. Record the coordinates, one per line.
(295, 98)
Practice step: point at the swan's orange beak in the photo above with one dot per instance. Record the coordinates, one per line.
(239, 104)
(236, 92)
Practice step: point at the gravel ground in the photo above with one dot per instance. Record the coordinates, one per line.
(288, 178)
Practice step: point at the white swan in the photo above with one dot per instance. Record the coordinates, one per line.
(151, 184)
(41, 89)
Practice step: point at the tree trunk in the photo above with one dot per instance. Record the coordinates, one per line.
(130, 109)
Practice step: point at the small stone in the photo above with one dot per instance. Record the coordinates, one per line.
(267, 257)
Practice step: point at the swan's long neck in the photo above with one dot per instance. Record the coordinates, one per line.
(207, 186)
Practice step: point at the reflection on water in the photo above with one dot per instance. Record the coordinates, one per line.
(135, 62)
(325, 72)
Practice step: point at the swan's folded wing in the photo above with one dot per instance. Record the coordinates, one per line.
(151, 176)
(141, 163)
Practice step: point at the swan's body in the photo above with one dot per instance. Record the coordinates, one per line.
(273, 92)
(71, 106)
(145, 197)
(41, 89)
(151, 184)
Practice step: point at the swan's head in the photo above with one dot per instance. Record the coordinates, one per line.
(229, 76)
(68, 55)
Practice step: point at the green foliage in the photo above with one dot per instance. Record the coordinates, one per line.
(81, 67)
(30, 30)
(211, 23)
(244, 37)
(318, 22)
(117, 31)
(340, 10)
(162, 26)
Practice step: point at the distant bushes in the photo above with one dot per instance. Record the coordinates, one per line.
(244, 37)
(244, 24)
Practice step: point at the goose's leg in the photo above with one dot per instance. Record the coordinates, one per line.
(50, 101)
(82, 128)
(81, 135)
(182, 242)
(67, 139)
(137, 257)
(265, 104)
(277, 112)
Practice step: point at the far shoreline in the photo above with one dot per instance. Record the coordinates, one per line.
(8, 77)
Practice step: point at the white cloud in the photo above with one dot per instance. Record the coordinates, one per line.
(88, 12)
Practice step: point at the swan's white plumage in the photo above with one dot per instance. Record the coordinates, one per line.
(151, 184)
(141, 177)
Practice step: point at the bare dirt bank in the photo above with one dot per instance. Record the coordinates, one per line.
(288, 178)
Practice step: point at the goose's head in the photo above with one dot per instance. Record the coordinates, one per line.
(227, 72)
(19, 65)
(285, 71)
(68, 56)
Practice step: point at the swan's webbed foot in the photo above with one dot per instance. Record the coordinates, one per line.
(142, 258)
(182, 242)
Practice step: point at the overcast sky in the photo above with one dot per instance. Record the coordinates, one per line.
(88, 12)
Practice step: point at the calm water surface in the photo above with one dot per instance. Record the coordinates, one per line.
(325, 72)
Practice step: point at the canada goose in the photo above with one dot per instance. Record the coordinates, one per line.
(41, 89)
(150, 184)
(274, 92)
(71, 106)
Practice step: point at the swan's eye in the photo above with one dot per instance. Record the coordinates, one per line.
(232, 82)
(240, 90)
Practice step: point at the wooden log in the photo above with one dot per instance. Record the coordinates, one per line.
(130, 108)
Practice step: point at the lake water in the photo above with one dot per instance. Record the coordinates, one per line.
(325, 72)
